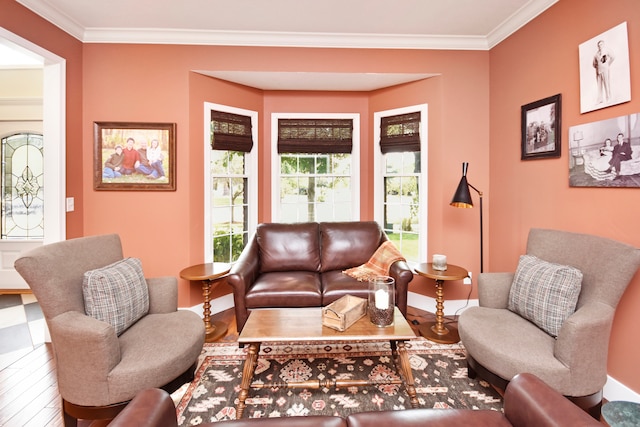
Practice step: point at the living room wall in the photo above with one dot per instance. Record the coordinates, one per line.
(119, 86)
(538, 61)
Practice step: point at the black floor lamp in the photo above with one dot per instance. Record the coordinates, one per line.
(462, 199)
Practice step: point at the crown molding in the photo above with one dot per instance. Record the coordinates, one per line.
(288, 39)
(53, 15)
(282, 39)
(518, 20)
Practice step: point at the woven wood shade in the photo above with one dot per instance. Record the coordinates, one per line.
(231, 132)
(400, 133)
(315, 135)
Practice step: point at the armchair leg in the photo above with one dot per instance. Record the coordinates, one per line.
(591, 404)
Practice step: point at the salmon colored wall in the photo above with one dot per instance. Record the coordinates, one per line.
(538, 61)
(22, 22)
(121, 87)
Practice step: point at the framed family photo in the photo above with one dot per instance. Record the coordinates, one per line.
(540, 121)
(605, 77)
(134, 156)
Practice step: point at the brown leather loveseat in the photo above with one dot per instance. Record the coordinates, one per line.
(528, 402)
(300, 265)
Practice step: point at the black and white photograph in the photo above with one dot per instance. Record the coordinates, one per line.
(605, 153)
(540, 123)
(605, 77)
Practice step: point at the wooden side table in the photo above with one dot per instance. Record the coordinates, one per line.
(436, 331)
(209, 274)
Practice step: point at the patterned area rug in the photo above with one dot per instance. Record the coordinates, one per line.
(439, 371)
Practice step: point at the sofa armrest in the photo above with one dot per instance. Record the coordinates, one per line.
(163, 294)
(152, 407)
(529, 402)
(242, 276)
(493, 289)
(402, 274)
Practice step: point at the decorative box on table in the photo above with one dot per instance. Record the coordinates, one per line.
(344, 312)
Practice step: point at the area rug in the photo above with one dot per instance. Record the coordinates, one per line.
(439, 371)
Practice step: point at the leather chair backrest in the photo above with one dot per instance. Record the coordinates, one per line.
(55, 271)
(607, 265)
(288, 247)
(348, 244)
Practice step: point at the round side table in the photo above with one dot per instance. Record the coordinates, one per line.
(209, 274)
(621, 413)
(436, 331)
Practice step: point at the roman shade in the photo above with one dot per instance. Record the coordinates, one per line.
(315, 135)
(400, 133)
(231, 132)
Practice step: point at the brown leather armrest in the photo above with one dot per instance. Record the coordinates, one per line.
(529, 402)
(152, 407)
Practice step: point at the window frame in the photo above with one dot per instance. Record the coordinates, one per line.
(251, 165)
(355, 158)
(379, 174)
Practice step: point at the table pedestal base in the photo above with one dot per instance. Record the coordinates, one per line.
(448, 334)
(217, 330)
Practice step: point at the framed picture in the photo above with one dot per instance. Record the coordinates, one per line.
(541, 128)
(134, 156)
(605, 153)
(605, 77)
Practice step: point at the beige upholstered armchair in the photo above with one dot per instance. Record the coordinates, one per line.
(101, 366)
(560, 269)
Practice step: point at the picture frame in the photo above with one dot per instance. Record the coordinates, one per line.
(605, 72)
(116, 169)
(541, 130)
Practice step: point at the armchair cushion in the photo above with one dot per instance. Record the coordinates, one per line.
(544, 293)
(116, 294)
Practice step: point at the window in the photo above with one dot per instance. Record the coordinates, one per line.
(315, 167)
(400, 184)
(230, 200)
(22, 187)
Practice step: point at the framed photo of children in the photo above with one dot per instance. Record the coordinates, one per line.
(540, 121)
(134, 156)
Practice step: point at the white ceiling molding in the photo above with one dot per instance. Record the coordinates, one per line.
(452, 14)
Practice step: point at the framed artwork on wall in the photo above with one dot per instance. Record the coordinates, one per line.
(134, 156)
(540, 121)
(605, 153)
(605, 77)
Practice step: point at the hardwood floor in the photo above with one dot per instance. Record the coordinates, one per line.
(29, 393)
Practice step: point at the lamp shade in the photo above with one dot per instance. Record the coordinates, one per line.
(462, 196)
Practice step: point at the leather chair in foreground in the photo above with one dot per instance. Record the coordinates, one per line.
(571, 356)
(528, 402)
(99, 370)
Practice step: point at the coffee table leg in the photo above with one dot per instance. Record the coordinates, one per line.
(405, 371)
(247, 375)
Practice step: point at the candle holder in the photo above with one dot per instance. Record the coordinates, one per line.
(439, 262)
(382, 300)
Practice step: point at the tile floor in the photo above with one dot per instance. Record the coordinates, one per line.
(22, 327)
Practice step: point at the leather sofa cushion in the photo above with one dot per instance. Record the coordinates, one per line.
(429, 417)
(288, 247)
(285, 289)
(348, 244)
(335, 284)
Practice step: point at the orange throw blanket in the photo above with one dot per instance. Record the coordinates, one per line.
(379, 263)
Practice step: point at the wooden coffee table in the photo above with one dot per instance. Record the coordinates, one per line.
(305, 324)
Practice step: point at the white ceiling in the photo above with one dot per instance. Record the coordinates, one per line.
(372, 24)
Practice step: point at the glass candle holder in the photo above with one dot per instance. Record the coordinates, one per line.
(382, 300)
(439, 262)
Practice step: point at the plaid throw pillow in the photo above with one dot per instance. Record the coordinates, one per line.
(544, 293)
(116, 294)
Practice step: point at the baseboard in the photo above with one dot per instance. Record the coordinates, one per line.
(615, 390)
